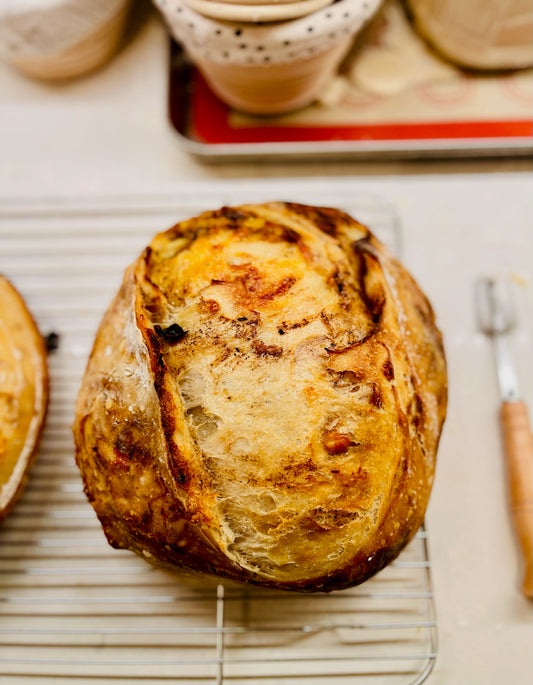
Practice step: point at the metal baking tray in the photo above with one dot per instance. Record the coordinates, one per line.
(193, 110)
(74, 610)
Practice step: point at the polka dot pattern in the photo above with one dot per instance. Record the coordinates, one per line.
(267, 43)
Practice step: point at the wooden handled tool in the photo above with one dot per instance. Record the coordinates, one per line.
(496, 320)
(518, 442)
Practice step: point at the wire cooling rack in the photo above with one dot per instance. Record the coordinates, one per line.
(73, 610)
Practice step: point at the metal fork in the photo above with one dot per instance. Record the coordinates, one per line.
(497, 320)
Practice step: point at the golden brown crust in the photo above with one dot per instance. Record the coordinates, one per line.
(23, 394)
(264, 400)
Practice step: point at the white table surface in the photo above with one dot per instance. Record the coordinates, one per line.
(108, 134)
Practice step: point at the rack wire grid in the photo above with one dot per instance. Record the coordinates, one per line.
(74, 610)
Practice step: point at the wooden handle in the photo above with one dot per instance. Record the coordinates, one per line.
(518, 442)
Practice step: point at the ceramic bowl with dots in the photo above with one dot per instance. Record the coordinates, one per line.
(268, 68)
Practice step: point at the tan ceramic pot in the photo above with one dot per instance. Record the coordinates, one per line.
(275, 89)
(268, 68)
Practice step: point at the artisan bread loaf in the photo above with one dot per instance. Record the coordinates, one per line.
(264, 400)
(23, 394)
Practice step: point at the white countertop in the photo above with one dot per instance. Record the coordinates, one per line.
(108, 134)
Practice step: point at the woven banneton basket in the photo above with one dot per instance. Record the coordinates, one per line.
(499, 37)
(85, 53)
(268, 68)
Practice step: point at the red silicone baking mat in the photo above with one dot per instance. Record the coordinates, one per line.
(215, 122)
(470, 115)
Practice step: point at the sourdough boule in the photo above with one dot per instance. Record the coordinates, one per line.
(264, 400)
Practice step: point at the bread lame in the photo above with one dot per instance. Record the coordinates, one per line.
(497, 321)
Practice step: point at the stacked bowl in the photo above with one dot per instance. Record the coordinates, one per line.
(255, 11)
(267, 58)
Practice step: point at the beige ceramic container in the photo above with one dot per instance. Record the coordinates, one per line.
(483, 34)
(269, 68)
(76, 49)
(274, 89)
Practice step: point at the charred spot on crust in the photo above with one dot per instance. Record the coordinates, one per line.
(388, 370)
(376, 305)
(128, 443)
(266, 350)
(168, 421)
(183, 229)
(171, 334)
(100, 461)
(153, 342)
(346, 379)
(338, 280)
(255, 286)
(225, 352)
(234, 215)
(285, 285)
(376, 398)
(324, 218)
(289, 235)
(234, 219)
(292, 471)
(153, 307)
(416, 410)
(297, 324)
(147, 254)
(425, 313)
(329, 519)
(375, 302)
